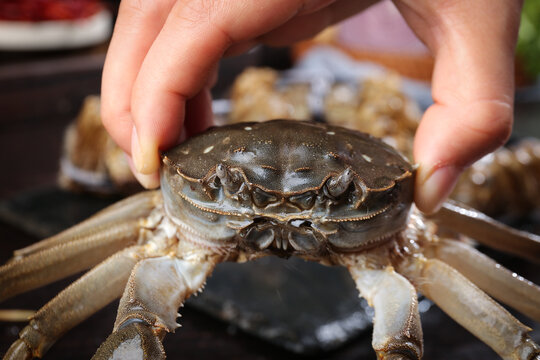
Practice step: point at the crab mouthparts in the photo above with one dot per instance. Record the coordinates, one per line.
(296, 235)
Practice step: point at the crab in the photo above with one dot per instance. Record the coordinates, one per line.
(285, 188)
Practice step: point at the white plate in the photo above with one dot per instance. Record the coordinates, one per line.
(53, 35)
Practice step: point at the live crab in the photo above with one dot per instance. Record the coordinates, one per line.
(286, 188)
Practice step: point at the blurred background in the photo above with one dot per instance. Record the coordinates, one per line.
(51, 58)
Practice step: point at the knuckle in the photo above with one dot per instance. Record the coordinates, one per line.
(137, 7)
(141, 9)
(492, 121)
(195, 11)
(107, 114)
(213, 15)
(113, 117)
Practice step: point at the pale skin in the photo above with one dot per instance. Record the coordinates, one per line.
(163, 58)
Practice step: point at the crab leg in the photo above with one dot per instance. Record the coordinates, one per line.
(74, 304)
(470, 307)
(132, 208)
(59, 261)
(487, 231)
(148, 309)
(491, 277)
(397, 332)
(79, 248)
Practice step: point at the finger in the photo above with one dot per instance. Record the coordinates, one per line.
(450, 138)
(472, 88)
(240, 48)
(199, 115)
(305, 26)
(148, 181)
(311, 6)
(194, 37)
(137, 25)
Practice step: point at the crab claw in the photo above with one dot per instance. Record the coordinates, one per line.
(135, 340)
(157, 287)
(337, 184)
(228, 179)
(19, 350)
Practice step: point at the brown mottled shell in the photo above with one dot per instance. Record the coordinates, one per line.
(289, 157)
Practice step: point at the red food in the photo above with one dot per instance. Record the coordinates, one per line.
(47, 10)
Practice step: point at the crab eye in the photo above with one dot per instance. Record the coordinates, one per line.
(304, 201)
(261, 198)
(338, 184)
(230, 179)
(213, 182)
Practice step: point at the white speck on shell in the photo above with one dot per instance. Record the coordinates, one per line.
(248, 128)
(367, 158)
(130, 349)
(208, 149)
(331, 133)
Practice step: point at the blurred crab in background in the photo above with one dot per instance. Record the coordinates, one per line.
(505, 183)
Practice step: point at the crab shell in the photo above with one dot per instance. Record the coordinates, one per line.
(287, 188)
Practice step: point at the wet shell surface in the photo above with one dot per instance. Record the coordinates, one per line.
(289, 156)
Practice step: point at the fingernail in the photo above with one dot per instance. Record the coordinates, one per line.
(148, 181)
(433, 186)
(145, 154)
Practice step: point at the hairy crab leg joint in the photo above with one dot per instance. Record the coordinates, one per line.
(397, 332)
(148, 309)
(244, 191)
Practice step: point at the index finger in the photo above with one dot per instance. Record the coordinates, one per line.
(137, 25)
(193, 39)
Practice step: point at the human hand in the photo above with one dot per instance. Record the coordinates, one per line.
(163, 55)
(472, 87)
